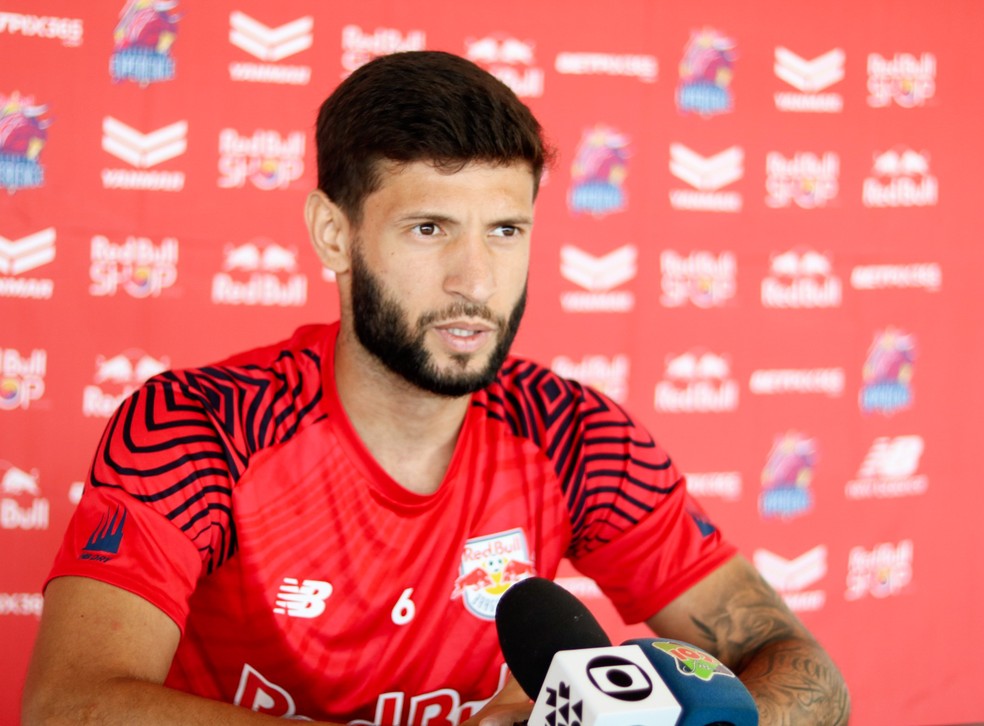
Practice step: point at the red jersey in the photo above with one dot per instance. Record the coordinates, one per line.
(238, 499)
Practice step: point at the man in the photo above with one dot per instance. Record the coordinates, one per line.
(322, 528)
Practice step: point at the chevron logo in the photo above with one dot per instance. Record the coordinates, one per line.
(809, 76)
(792, 575)
(270, 44)
(707, 173)
(144, 150)
(598, 274)
(26, 253)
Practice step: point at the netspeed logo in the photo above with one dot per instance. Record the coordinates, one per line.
(67, 30)
(599, 276)
(21, 378)
(265, 159)
(708, 175)
(23, 255)
(142, 42)
(706, 72)
(801, 279)
(887, 373)
(702, 278)
(777, 381)
(809, 77)
(792, 578)
(883, 571)
(116, 378)
(138, 266)
(598, 172)
(806, 180)
(270, 45)
(725, 485)
(510, 60)
(696, 382)
(890, 470)
(359, 46)
(23, 134)
(22, 505)
(921, 275)
(260, 272)
(900, 179)
(143, 151)
(608, 375)
(643, 67)
(787, 477)
(903, 78)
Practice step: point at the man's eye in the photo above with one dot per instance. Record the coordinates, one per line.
(505, 231)
(427, 229)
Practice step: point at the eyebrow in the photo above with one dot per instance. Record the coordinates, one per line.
(445, 219)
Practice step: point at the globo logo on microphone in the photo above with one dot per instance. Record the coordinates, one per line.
(619, 678)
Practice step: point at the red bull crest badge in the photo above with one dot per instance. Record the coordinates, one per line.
(489, 566)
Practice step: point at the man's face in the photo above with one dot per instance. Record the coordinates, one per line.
(439, 267)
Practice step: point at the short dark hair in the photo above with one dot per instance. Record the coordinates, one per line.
(419, 106)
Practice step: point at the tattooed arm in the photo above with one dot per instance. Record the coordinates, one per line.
(736, 616)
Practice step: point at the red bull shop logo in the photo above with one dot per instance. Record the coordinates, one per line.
(489, 566)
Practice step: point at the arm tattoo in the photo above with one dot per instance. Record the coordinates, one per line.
(791, 677)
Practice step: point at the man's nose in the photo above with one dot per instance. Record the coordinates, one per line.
(470, 271)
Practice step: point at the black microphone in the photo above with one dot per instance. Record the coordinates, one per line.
(563, 659)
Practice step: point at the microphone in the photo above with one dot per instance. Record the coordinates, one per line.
(562, 659)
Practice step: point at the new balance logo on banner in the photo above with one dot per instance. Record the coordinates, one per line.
(706, 174)
(598, 273)
(790, 578)
(599, 276)
(270, 44)
(889, 470)
(144, 150)
(26, 253)
(810, 76)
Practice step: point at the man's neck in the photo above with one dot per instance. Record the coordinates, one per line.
(411, 433)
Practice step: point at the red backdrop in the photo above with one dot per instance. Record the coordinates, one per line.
(762, 235)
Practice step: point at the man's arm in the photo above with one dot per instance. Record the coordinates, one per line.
(737, 617)
(101, 657)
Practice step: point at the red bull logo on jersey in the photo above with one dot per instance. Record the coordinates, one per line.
(23, 133)
(706, 72)
(142, 42)
(598, 172)
(489, 566)
(887, 373)
(21, 504)
(787, 476)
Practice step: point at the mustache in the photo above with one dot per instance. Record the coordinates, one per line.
(461, 310)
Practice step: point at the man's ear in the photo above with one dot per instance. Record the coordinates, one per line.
(330, 230)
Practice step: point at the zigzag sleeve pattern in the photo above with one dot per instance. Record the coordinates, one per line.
(182, 441)
(610, 470)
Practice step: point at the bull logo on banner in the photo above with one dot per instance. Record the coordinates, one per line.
(23, 134)
(142, 42)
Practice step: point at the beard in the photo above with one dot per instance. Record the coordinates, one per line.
(384, 329)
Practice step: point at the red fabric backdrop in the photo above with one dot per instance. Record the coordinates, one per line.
(762, 235)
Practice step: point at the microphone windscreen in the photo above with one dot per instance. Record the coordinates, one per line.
(536, 618)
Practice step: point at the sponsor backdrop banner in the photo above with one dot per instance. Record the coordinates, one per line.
(762, 236)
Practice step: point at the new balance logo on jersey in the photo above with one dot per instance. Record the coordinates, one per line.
(302, 599)
(270, 44)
